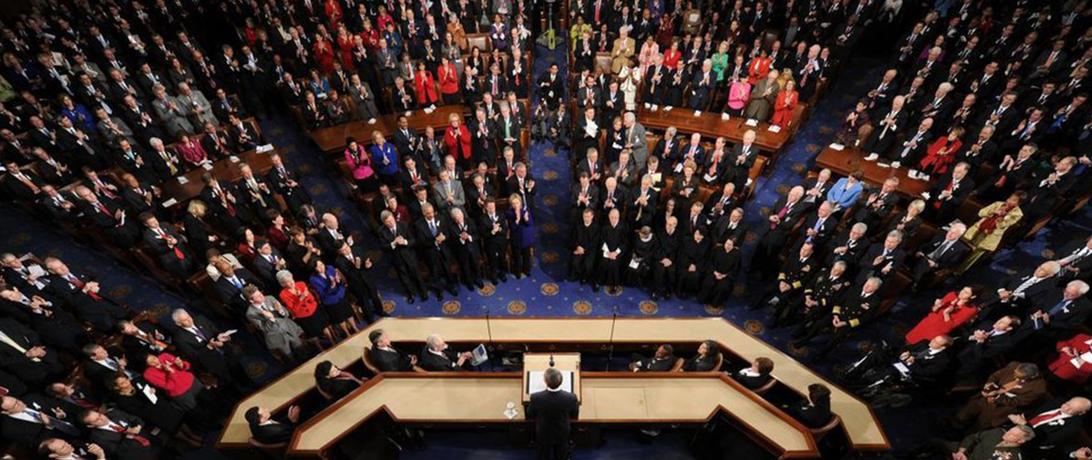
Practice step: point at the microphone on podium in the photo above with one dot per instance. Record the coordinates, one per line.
(551, 360)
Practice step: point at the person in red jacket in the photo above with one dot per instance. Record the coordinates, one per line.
(457, 139)
(1074, 361)
(449, 81)
(425, 86)
(303, 306)
(324, 54)
(172, 375)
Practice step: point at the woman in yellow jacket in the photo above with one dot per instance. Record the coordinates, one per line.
(986, 234)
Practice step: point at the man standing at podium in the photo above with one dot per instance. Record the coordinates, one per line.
(551, 410)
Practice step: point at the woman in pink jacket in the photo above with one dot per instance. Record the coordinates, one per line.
(360, 164)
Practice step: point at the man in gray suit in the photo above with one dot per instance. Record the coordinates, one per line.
(762, 97)
(171, 112)
(448, 192)
(635, 139)
(282, 335)
(363, 99)
(199, 106)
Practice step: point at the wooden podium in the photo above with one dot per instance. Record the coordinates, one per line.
(538, 362)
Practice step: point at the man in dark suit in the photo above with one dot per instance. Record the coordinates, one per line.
(986, 345)
(783, 218)
(385, 357)
(552, 410)
(82, 295)
(437, 357)
(24, 356)
(356, 267)
(1076, 259)
(925, 363)
(757, 375)
(432, 234)
(493, 228)
(22, 185)
(229, 286)
(1058, 317)
(882, 260)
(101, 368)
(399, 240)
(942, 253)
(267, 430)
(878, 204)
(199, 341)
(662, 361)
(945, 197)
(1016, 294)
(1057, 424)
(889, 124)
(286, 184)
(29, 420)
(121, 435)
(174, 255)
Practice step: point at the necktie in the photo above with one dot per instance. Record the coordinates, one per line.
(1059, 308)
(1044, 417)
(135, 437)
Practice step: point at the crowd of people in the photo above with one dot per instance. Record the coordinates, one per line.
(107, 103)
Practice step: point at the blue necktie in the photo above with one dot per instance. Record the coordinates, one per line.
(1058, 308)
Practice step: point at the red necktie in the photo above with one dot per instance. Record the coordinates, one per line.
(1044, 417)
(135, 437)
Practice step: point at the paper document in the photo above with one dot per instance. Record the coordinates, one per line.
(838, 147)
(535, 382)
(899, 366)
(264, 148)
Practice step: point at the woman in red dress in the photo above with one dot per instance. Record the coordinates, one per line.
(941, 154)
(425, 86)
(759, 67)
(324, 54)
(457, 139)
(947, 314)
(345, 45)
(449, 81)
(277, 234)
(672, 56)
(303, 305)
(785, 104)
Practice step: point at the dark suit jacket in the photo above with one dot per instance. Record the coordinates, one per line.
(117, 444)
(433, 362)
(1058, 433)
(751, 382)
(950, 257)
(552, 411)
(811, 416)
(273, 433)
(390, 361)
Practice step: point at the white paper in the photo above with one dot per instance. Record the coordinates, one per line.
(838, 147)
(899, 366)
(774, 129)
(606, 250)
(725, 116)
(634, 264)
(234, 159)
(170, 202)
(697, 113)
(36, 271)
(207, 166)
(535, 382)
(182, 180)
(150, 392)
(751, 122)
(264, 148)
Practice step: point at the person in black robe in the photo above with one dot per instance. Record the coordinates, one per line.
(585, 242)
(614, 236)
(638, 263)
(692, 256)
(722, 275)
(663, 267)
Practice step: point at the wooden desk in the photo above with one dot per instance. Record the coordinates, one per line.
(610, 398)
(860, 424)
(711, 125)
(332, 138)
(225, 170)
(844, 162)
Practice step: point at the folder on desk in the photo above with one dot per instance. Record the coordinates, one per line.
(264, 148)
(536, 383)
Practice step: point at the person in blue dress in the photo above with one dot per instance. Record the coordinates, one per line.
(384, 159)
(522, 229)
(329, 285)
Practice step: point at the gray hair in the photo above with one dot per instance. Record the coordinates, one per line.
(433, 341)
(284, 277)
(178, 314)
(860, 227)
